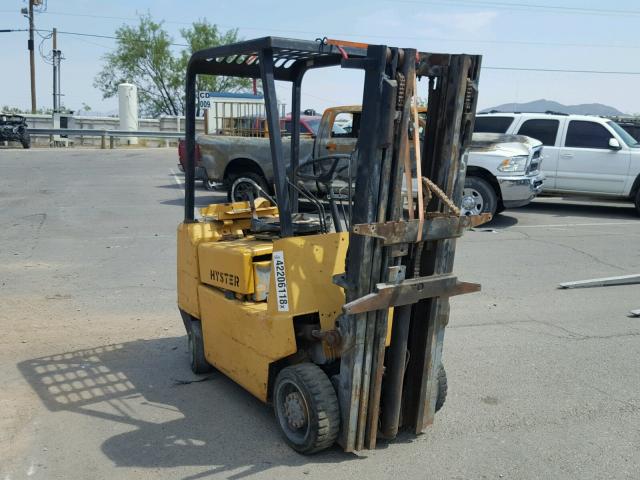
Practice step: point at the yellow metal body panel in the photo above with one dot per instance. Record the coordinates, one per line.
(310, 262)
(242, 339)
(190, 235)
(229, 265)
(224, 220)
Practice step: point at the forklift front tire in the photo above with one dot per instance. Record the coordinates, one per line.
(197, 359)
(306, 407)
(442, 387)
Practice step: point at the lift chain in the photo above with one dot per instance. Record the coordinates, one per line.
(402, 90)
(435, 189)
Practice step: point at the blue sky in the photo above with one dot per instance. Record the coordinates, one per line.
(503, 31)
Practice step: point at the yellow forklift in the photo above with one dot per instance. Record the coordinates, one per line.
(335, 314)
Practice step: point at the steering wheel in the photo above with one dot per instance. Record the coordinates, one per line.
(324, 177)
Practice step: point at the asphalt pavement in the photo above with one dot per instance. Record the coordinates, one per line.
(543, 383)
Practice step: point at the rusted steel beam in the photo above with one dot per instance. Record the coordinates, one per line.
(449, 125)
(361, 276)
(437, 228)
(397, 98)
(410, 291)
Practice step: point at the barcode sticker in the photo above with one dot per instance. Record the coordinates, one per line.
(282, 297)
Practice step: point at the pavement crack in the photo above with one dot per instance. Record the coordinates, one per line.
(579, 251)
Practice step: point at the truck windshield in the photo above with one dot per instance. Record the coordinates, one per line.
(626, 137)
(313, 124)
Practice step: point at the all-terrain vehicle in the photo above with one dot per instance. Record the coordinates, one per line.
(13, 128)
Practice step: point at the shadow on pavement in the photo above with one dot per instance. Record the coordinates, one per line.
(559, 208)
(147, 385)
(498, 222)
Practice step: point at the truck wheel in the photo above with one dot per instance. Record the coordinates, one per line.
(26, 141)
(239, 185)
(637, 202)
(442, 387)
(195, 340)
(209, 185)
(478, 197)
(306, 407)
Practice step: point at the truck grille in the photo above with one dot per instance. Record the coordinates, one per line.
(536, 161)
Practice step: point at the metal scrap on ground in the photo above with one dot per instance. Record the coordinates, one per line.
(603, 282)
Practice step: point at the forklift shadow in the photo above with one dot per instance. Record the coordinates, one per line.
(167, 417)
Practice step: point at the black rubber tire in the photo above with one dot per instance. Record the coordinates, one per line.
(323, 414)
(486, 191)
(26, 141)
(637, 202)
(255, 177)
(442, 387)
(195, 342)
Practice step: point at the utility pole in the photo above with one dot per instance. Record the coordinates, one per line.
(57, 56)
(32, 60)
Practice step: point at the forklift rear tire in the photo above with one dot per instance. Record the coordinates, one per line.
(197, 359)
(306, 407)
(442, 387)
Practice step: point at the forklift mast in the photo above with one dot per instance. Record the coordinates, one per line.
(392, 260)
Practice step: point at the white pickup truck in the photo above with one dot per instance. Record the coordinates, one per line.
(584, 155)
(503, 171)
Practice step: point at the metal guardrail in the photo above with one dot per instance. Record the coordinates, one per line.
(111, 134)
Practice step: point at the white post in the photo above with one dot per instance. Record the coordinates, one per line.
(128, 110)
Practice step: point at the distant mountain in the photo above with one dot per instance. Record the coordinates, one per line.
(549, 105)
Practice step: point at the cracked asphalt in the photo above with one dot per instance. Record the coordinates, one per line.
(543, 383)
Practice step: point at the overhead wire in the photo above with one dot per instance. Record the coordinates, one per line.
(541, 69)
(408, 37)
(519, 6)
(459, 2)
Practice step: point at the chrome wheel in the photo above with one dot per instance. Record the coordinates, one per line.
(243, 188)
(472, 202)
(209, 184)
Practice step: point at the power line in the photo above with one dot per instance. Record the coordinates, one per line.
(523, 6)
(562, 70)
(403, 37)
(111, 37)
(549, 70)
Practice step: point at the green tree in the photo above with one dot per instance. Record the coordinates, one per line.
(146, 56)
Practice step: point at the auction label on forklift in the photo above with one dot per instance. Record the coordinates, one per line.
(281, 281)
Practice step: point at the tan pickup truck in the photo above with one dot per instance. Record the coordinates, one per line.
(503, 171)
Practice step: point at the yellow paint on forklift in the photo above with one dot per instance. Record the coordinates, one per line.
(190, 235)
(229, 264)
(239, 210)
(242, 339)
(310, 263)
